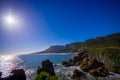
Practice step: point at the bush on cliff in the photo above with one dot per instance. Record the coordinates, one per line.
(111, 53)
(45, 76)
(110, 56)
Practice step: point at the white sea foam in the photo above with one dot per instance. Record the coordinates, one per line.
(29, 72)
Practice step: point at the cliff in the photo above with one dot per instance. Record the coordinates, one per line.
(97, 61)
(73, 47)
(112, 40)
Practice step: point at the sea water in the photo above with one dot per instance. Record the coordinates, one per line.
(29, 62)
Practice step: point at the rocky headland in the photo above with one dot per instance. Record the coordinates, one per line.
(96, 64)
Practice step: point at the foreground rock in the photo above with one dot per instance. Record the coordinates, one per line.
(47, 66)
(17, 74)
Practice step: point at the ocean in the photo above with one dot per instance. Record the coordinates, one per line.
(29, 62)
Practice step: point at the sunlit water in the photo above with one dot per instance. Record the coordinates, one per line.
(30, 62)
(8, 63)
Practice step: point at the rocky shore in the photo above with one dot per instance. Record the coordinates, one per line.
(19, 74)
(91, 64)
(81, 67)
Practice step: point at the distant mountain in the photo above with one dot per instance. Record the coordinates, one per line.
(55, 49)
(73, 47)
(112, 40)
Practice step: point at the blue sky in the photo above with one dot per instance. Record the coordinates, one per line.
(51, 22)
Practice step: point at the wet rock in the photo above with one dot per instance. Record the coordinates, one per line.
(77, 74)
(67, 64)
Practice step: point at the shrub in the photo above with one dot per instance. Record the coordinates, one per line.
(45, 76)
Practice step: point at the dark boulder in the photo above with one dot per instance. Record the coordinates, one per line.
(17, 74)
(48, 67)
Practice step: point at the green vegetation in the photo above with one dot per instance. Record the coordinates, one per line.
(112, 53)
(45, 76)
(112, 40)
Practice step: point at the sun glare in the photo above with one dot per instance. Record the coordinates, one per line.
(10, 20)
(7, 57)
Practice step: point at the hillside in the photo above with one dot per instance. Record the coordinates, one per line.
(73, 47)
(55, 49)
(112, 40)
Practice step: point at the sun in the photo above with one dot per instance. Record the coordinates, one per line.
(10, 20)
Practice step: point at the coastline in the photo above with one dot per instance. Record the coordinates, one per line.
(56, 53)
